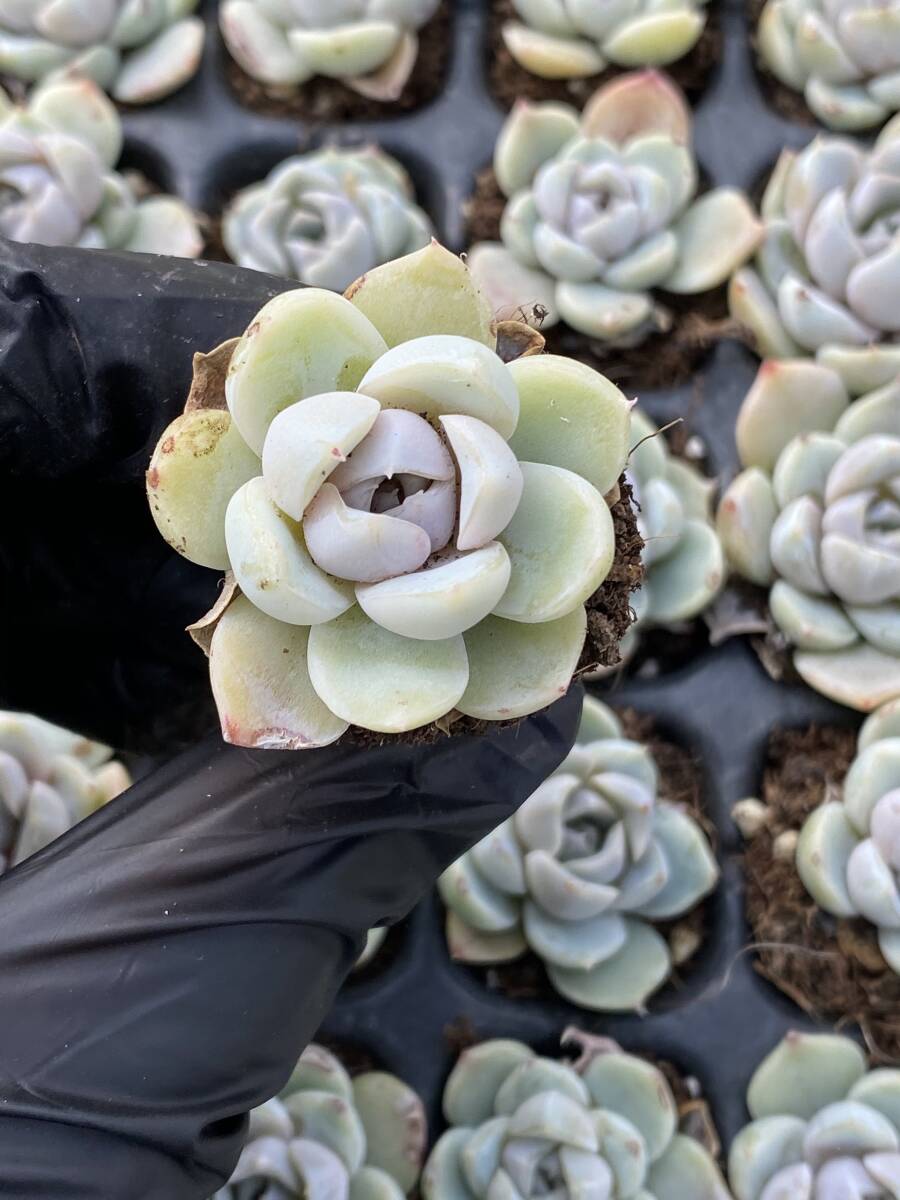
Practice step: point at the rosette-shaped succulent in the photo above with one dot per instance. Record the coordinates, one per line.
(414, 526)
(568, 39)
(602, 210)
(684, 564)
(138, 50)
(326, 218)
(580, 872)
(329, 1137)
(49, 780)
(823, 1128)
(57, 186)
(827, 275)
(848, 855)
(370, 45)
(816, 516)
(526, 1127)
(843, 55)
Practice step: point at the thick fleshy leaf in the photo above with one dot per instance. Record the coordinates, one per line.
(861, 370)
(301, 344)
(271, 563)
(490, 480)
(259, 47)
(686, 1169)
(879, 1089)
(693, 871)
(366, 547)
(164, 225)
(804, 466)
(513, 289)
(624, 982)
(499, 858)
(827, 840)
(623, 1149)
(318, 1070)
(744, 522)
(428, 292)
(355, 48)
(655, 39)
(847, 1127)
(598, 721)
(551, 57)
(162, 65)
(883, 723)
(805, 1072)
(860, 677)
(550, 576)
(636, 104)
(398, 443)
(531, 136)
(443, 1178)
(874, 772)
(305, 442)
(479, 903)
(813, 318)
(683, 583)
(439, 601)
(331, 1121)
(761, 1150)
(198, 464)
(79, 107)
(716, 235)
(443, 375)
(473, 1084)
(393, 1117)
(576, 944)
(260, 681)
(555, 1117)
(637, 1091)
(872, 886)
(786, 399)
(469, 945)
(751, 304)
(536, 1076)
(370, 1183)
(810, 622)
(571, 416)
(603, 312)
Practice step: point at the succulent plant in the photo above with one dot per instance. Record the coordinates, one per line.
(824, 1127)
(848, 853)
(374, 942)
(827, 273)
(57, 186)
(326, 217)
(396, 557)
(581, 871)
(138, 51)
(526, 1127)
(815, 516)
(568, 39)
(602, 210)
(683, 560)
(329, 1137)
(843, 55)
(49, 780)
(370, 45)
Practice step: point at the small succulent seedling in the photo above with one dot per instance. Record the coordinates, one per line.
(602, 209)
(326, 218)
(49, 780)
(370, 45)
(684, 564)
(527, 1127)
(827, 274)
(412, 525)
(139, 52)
(57, 185)
(569, 39)
(824, 1127)
(329, 1136)
(580, 873)
(815, 516)
(848, 855)
(844, 57)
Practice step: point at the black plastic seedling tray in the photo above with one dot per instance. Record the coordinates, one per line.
(721, 706)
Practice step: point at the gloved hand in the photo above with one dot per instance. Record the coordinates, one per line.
(164, 963)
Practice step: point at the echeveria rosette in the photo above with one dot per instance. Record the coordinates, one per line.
(525, 1127)
(569, 39)
(590, 860)
(826, 278)
(815, 516)
(58, 186)
(824, 1127)
(369, 45)
(326, 217)
(843, 55)
(329, 1137)
(138, 50)
(683, 560)
(413, 525)
(49, 780)
(602, 210)
(848, 854)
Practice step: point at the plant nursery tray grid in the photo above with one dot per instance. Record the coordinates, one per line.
(720, 1021)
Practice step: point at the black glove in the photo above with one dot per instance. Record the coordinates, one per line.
(164, 963)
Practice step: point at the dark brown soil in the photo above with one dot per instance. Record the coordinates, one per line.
(328, 101)
(680, 783)
(832, 968)
(609, 616)
(784, 100)
(508, 81)
(664, 359)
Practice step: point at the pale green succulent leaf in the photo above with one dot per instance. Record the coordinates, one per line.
(467, 892)
(878, 624)
(744, 523)
(318, 1070)
(515, 291)
(683, 583)
(861, 677)
(810, 622)
(603, 312)
(370, 1183)
(482, 1153)
(861, 370)
(550, 56)
(804, 466)
(889, 944)
(845, 108)
(854, 1127)
(443, 1178)
(499, 859)
(878, 412)
(750, 303)
(804, 1073)
(787, 399)
(579, 945)
(534, 1077)
(827, 840)
(637, 1091)
(717, 234)
(879, 1089)
(531, 136)
(393, 1118)
(623, 982)
(686, 1169)
(470, 945)
(473, 1084)
(331, 1121)
(883, 723)
(654, 40)
(761, 1150)
(163, 65)
(556, 1117)
(693, 872)
(598, 721)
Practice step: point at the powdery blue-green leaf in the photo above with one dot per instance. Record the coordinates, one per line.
(686, 1169)
(638, 1091)
(761, 1150)
(393, 1118)
(804, 1073)
(472, 1087)
(624, 981)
